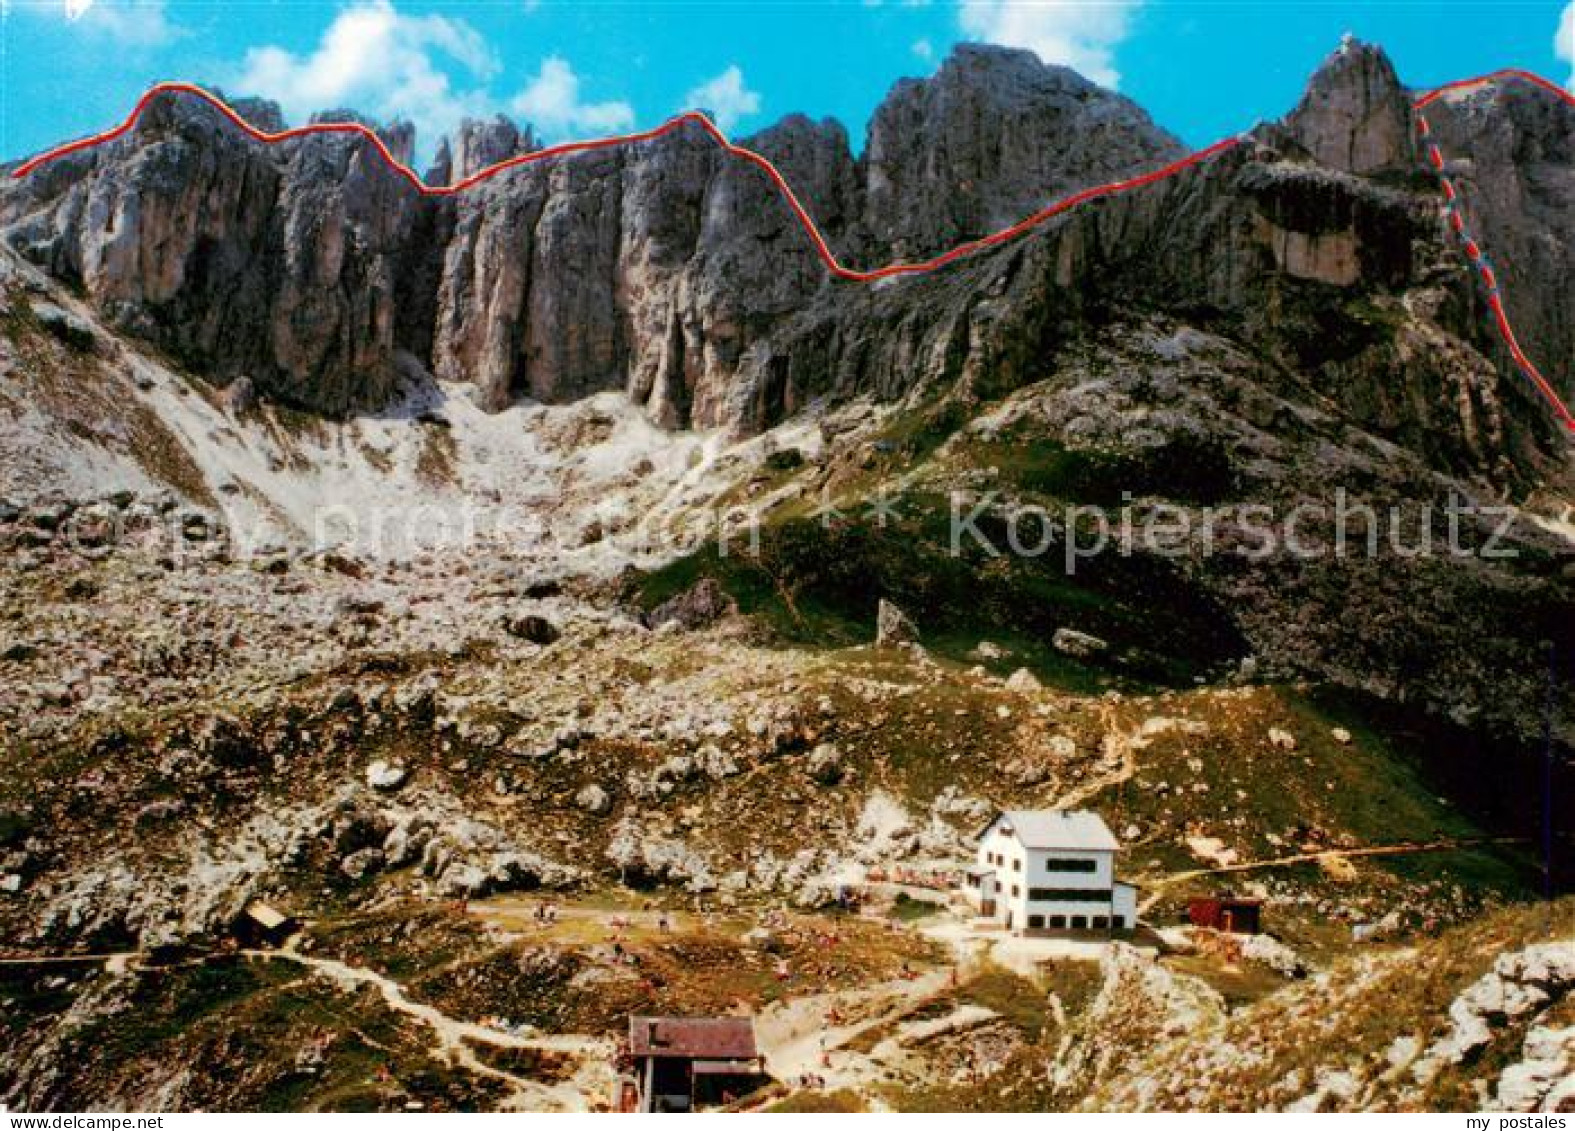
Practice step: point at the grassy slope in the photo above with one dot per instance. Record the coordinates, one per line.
(233, 1031)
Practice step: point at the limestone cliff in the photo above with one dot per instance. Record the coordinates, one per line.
(678, 274)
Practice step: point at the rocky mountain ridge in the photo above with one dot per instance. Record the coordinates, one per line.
(673, 273)
(413, 663)
(652, 268)
(1286, 319)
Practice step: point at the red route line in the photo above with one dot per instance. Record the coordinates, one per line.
(1473, 250)
(565, 149)
(807, 222)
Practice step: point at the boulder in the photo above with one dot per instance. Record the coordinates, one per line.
(536, 629)
(1023, 681)
(761, 939)
(893, 627)
(825, 764)
(703, 603)
(466, 880)
(69, 328)
(382, 775)
(1544, 1080)
(1081, 645)
(240, 395)
(362, 863)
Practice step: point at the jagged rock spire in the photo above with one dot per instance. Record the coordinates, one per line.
(1355, 115)
(479, 144)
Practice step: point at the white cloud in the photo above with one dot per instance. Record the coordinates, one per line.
(1078, 35)
(726, 97)
(128, 23)
(924, 49)
(378, 61)
(551, 104)
(1564, 41)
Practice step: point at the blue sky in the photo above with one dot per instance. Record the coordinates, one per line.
(1204, 69)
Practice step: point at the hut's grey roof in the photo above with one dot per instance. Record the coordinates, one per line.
(1060, 828)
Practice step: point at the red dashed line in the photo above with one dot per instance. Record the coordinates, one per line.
(1473, 250)
(822, 248)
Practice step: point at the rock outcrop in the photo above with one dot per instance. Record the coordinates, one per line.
(893, 627)
(679, 275)
(1510, 150)
(281, 264)
(966, 152)
(1354, 116)
(663, 268)
(703, 603)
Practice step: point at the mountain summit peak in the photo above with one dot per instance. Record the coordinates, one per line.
(1354, 114)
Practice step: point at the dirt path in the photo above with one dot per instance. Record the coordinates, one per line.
(1123, 742)
(115, 962)
(455, 1037)
(795, 1036)
(1404, 849)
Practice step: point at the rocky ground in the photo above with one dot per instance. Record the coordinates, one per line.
(366, 744)
(198, 716)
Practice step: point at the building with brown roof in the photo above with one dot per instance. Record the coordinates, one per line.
(685, 1063)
